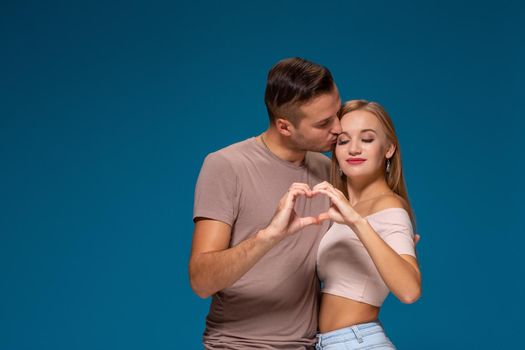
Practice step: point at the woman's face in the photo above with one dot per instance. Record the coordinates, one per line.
(362, 147)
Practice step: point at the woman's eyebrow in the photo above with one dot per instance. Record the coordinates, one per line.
(362, 131)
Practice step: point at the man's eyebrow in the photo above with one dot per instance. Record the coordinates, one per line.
(324, 120)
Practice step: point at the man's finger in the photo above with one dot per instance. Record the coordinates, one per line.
(289, 201)
(309, 220)
(323, 216)
(304, 187)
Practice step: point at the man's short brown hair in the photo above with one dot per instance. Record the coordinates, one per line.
(292, 81)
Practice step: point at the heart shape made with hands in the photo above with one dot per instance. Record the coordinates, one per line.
(308, 196)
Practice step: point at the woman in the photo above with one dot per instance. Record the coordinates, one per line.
(369, 250)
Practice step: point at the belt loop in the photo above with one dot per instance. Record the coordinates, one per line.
(357, 334)
(318, 346)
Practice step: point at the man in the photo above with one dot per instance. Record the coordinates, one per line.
(257, 262)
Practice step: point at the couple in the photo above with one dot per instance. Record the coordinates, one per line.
(261, 264)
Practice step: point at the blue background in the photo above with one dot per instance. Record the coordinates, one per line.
(108, 109)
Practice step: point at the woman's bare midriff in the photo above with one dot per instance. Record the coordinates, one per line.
(338, 312)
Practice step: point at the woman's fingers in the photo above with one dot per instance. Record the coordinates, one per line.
(323, 185)
(340, 192)
(328, 187)
(333, 197)
(332, 214)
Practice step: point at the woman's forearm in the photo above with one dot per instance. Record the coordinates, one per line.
(400, 273)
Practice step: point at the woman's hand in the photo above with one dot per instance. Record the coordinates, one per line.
(340, 211)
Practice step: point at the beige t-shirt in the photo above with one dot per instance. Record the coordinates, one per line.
(275, 304)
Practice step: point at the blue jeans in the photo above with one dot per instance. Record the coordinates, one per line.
(361, 336)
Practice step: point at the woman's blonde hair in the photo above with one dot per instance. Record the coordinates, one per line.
(394, 177)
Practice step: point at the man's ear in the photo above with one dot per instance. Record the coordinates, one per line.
(283, 126)
(390, 151)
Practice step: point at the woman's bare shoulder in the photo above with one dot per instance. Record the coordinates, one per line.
(389, 201)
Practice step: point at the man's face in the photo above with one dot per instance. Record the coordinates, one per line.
(319, 126)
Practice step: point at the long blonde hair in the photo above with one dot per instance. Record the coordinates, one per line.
(394, 177)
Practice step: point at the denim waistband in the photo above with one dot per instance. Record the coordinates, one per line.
(348, 333)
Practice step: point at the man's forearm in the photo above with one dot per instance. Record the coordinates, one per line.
(211, 272)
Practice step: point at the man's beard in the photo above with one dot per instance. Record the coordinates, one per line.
(300, 143)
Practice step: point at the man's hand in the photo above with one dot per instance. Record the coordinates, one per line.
(285, 221)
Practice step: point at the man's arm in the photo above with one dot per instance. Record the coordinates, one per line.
(215, 266)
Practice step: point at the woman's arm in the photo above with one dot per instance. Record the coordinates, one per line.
(399, 272)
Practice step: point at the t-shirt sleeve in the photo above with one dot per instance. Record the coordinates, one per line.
(216, 190)
(400, 235)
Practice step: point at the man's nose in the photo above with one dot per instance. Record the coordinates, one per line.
(336, 127)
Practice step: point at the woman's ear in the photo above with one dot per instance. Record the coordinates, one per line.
(390, 151)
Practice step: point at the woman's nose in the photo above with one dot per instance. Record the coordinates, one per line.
(354, 147)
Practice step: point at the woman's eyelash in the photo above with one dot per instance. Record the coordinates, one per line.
(342, 142)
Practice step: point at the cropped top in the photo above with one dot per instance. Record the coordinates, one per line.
(344, 265)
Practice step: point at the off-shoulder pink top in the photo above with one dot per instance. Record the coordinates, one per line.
(344, 265)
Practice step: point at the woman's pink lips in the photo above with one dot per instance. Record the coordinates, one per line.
(355, 161)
